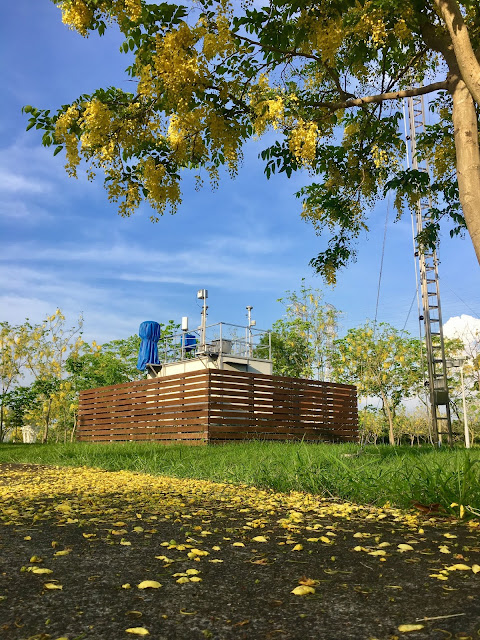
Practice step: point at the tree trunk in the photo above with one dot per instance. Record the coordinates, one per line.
(47, 424)
(74, 428)
(388, 414)
(465, 124)
(2, 414)
(466, 59)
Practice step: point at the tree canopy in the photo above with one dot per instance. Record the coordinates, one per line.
(327, 77)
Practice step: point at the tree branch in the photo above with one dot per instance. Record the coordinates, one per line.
(394, 95)
(466, 59)
(406, 68)
(286, 52)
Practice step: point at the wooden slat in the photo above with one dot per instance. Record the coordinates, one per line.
(219, 405)
(147, 405)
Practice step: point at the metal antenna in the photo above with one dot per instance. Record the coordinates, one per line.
(251, 323)
(202, 294)
(432, 313)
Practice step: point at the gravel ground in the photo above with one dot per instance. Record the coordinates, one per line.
(227, 559)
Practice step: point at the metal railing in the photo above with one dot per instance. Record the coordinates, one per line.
(220, 339)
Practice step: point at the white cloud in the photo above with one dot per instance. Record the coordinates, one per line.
(463, 326)
(467, 329)
(13, 182)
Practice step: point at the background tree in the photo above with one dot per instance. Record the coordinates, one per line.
(383, 362)
(327, 77)
(19, 402)
(371, 425)
(103, 365)
(290, 349)
(302, 340)
(52, 343)
(317, 323)
(14, 345)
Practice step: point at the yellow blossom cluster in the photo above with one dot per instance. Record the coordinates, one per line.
(79, 16)
(76, 15)
(324, 36)
(162, 188)
(133, 9)
(64, 134)
(177, 70)
(269, 112)
(96, 125)
(220, 43)
(303, 141)
(371, 24)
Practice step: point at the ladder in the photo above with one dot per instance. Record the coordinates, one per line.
(432, 312)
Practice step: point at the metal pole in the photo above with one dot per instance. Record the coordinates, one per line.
(249, 331)
(204, 323)
(465, 420)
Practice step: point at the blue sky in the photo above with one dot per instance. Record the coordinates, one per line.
(63, 244)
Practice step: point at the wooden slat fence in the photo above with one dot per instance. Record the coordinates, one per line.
(248, 405)
(218, 406)
(165, 409)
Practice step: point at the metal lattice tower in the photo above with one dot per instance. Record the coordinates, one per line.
(432, 313)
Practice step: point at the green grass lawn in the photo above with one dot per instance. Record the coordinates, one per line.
(368, 475)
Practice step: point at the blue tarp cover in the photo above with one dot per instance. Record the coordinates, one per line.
(149, 332)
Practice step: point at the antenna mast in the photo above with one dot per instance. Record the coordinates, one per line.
(432, 313)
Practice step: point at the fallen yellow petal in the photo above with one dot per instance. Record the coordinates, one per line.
(65, 552)
(192, 572)
(195, 579)
(297, 547)
(476, 568)
(183, 580)
(444, 549)
(139, 631)
(410, 627)
(198, 552)
(259, 539)
(238, 544)
(405, 547)
(458, 567)
(52, 585)
(149, 584)
(40, 571)
(303, 590)
(127, 585)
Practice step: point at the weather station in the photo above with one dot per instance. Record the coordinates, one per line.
(222, 345)
(213, 384)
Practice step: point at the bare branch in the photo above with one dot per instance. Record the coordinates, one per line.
(382, 97)
(286, 52)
